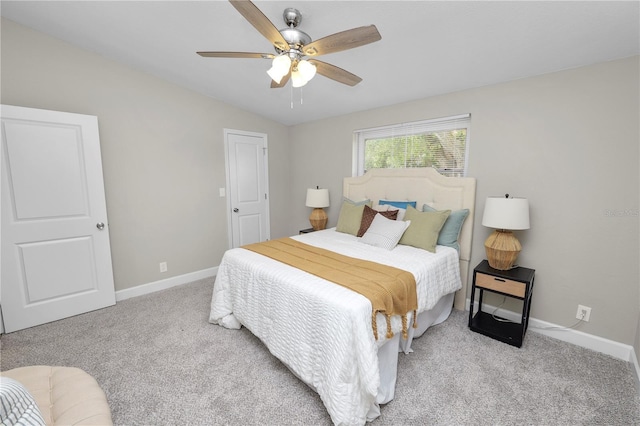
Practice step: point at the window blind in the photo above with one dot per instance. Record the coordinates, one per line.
(441, 143)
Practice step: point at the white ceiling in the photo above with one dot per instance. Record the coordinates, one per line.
(427, 47)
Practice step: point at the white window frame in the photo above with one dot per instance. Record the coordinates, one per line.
(407, 129)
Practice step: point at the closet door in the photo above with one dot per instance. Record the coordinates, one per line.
(248, 187)
(56, 258)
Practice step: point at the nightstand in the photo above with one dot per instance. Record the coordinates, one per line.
(306, 231)
(516, 283)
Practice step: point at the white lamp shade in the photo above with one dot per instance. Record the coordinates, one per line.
(275, 74)
(317, 198)
(307, 69)
(506, 213)
(279, 67)
(297, 80)
(302, 73)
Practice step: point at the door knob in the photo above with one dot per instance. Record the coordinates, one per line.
(100, 225)
(235, 210)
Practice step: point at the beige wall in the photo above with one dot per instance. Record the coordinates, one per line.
(162, 152)
(567, 141)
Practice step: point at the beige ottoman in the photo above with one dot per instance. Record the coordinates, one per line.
(64, 395)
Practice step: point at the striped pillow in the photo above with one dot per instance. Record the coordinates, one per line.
(385, 233)
(17, 406)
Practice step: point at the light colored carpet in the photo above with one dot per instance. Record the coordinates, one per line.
(161, 363)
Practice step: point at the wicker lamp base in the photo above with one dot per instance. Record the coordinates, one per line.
(502, 248)
(318, 219)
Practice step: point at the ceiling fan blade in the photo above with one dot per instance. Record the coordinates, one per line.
(335, 73)
(256, 18)
(342, 41)
(236, 55)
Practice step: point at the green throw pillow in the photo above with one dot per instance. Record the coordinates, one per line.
(450, 232)
(424, 229)
(351, 216)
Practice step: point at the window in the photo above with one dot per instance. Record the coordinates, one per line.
(441, 143)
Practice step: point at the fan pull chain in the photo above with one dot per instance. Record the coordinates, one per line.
(291, 97)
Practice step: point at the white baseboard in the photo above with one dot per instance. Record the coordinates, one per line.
(165, 284)
(579, 338)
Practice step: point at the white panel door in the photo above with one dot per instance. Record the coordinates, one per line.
(56, 257)
(247, 187)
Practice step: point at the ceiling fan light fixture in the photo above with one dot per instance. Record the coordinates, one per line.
(307, 69)
(275, 75)
(297, 79)
(302, 73)
(279, 67)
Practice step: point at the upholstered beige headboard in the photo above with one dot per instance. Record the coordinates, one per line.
(426, 186)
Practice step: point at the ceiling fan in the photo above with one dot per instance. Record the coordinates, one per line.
(293, 46)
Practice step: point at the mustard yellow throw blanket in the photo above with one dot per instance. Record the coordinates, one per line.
(392, 291)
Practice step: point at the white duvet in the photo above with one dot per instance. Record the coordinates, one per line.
(321, 330)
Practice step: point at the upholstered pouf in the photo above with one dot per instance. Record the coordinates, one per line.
(64, 395)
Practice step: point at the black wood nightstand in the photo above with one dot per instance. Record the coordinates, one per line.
(516, 283)
(306, 231)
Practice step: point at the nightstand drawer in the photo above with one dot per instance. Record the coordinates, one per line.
(515, 288)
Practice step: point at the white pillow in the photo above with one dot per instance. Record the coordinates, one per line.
(384, 233)
(17, 406)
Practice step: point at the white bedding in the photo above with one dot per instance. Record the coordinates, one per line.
(320, 330)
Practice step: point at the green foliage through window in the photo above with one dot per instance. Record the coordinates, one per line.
(443, 150)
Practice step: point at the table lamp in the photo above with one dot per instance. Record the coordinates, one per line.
(505, 215)
(318, 199)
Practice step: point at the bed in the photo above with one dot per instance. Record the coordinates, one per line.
(323, 332)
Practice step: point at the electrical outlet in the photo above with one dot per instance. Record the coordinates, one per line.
(163, 266)
(584, 312)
